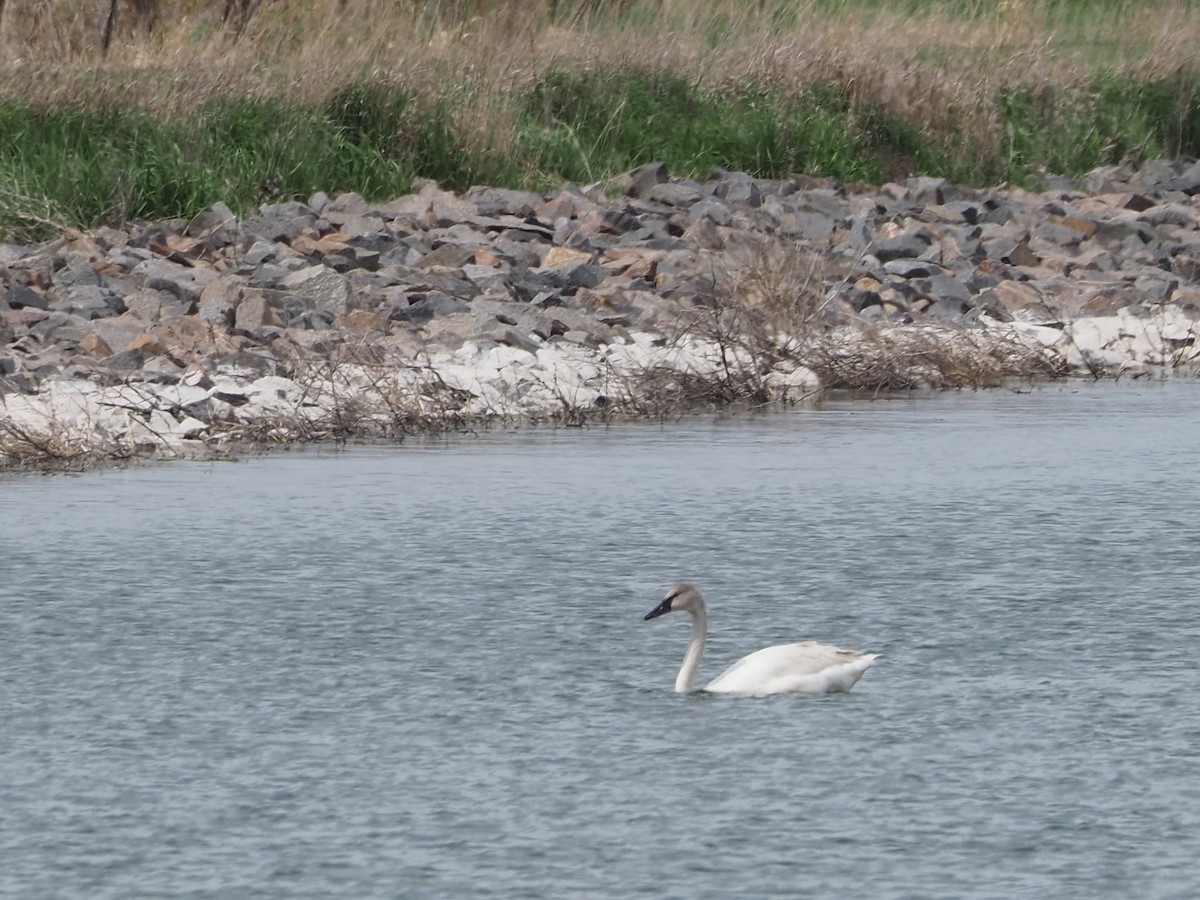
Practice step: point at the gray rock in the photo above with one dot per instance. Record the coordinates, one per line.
(322, 287)
(181, 282)
(280, 222)
(428, 306)
(862, 234)
(953, 310)
(61, 327)
(90, 301)
(811, 226)
(932, 191)
(1156, 288)
(911, 268)
(217, 226)
(504, 334)
(1187, 181)
(220, 310)
(902, 246)
(500, 201)
(318, 201)
(1058, 235)
(448, 256)
(715, 210)
(947, 287)
(567, 277)
(676, 193)
(739, 189)
(258, 253)
(126, 361)
(78, 275)
(1014, 251)
(638, 182)
(21, 297)
(267, 276)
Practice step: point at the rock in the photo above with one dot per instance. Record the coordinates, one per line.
(281, 222)
(675, 193)
(565, 257)
(447, 256)
(218, 308)
(95, 346)
(739, 189)
(187, 339)
(362, 322)
(320, 286)
(499, 201)
(712, 210)
(902, 246)
(90, 301)
(61, 327)
(911, 268)
(22, 318)
(435, 303)
(1013, 295)
(258, 253)
(639, 182)
(1014, 251)
(21, 297)
(254, 312)
(810, 226)
(148, 344)
(185, 284)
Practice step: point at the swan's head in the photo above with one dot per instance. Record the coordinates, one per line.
(683, 596)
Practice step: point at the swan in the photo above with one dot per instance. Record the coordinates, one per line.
(809, 667)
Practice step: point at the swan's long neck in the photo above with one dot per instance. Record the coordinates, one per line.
(691, 661)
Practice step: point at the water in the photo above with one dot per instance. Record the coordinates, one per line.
(423, 672)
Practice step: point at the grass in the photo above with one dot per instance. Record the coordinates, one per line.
(527, 93)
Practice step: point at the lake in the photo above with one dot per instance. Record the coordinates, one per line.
(422, 671)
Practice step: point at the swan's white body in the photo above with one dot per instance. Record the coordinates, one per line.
(808, 667)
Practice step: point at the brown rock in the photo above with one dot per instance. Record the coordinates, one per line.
(146, 305)
(23, 318)
(1015, 294)
(189, 339)
(643, 268)
(148, 344)
(1086, 227)
(95, 346)
(564, 256)
(487, 258)
(1134, 201)
(361, 321)
(322, 247)
(255, 312)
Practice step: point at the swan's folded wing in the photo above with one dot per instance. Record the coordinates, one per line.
(793, 667)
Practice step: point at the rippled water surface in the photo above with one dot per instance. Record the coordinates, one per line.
(423, 671)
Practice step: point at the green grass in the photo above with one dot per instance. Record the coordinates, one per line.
(1112, 120)
(86, 166)
(584, 128)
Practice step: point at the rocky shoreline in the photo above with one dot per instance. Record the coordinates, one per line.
(343, 319)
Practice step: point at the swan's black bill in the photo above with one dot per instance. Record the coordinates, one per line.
(662, 609)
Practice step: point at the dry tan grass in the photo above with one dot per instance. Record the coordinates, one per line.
(49, 49)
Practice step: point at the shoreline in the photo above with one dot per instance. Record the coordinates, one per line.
(340, 319)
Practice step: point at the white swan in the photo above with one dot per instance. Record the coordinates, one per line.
(808, 668)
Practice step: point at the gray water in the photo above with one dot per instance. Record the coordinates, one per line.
(423, 671)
